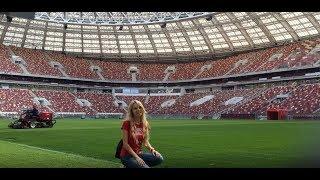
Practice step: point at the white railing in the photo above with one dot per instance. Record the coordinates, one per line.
(9, 114)
(110, 115)
(69, 114)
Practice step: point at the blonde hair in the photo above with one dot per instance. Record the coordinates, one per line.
(145, 124)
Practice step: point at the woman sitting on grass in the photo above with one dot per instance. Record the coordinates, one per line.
(135, 132)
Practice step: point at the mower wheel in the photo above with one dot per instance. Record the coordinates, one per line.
(33, 125)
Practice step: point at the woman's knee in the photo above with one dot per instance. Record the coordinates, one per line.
(159, 159)
(132, 163)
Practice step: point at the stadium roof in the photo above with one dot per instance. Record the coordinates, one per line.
(150, 35)
(117, 18)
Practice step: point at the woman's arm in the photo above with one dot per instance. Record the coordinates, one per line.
(151, 149)
(148, 145)
(126, 144)
(129, 149)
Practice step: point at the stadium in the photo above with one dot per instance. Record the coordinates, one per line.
(225, 89)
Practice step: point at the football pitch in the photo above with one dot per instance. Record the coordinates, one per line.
(91, 143)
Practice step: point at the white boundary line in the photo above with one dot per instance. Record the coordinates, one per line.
(64, 153)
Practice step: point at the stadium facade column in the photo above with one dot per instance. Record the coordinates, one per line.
(151, 39)
(45, 35)
(25, 33)
(204, 34)
(223, 33)
(99, 38)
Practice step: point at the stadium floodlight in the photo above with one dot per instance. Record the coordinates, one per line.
(163, 25)
(9, 18)
(209, 18)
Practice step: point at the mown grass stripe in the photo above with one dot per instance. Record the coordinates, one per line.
(70, 155)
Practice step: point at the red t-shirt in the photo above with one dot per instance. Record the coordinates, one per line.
(136, 147)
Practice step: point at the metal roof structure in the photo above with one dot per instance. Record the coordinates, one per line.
(117, 18)
(157, 35)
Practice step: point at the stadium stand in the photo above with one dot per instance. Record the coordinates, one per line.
(6, 64)
(245, 77)
(36, 62)
(74, 67)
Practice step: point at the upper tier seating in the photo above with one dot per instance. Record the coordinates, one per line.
(297, 54)
(36, 61)
(6, 65)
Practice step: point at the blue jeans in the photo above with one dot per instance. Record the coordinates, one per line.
(150, 160)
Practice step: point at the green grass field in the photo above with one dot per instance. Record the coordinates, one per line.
(183, 143)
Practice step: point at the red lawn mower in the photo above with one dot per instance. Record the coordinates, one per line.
(27, 120)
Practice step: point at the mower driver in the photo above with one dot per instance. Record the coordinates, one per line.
(32, 113)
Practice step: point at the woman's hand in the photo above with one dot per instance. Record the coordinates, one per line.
(155, 153)
(140, 161)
